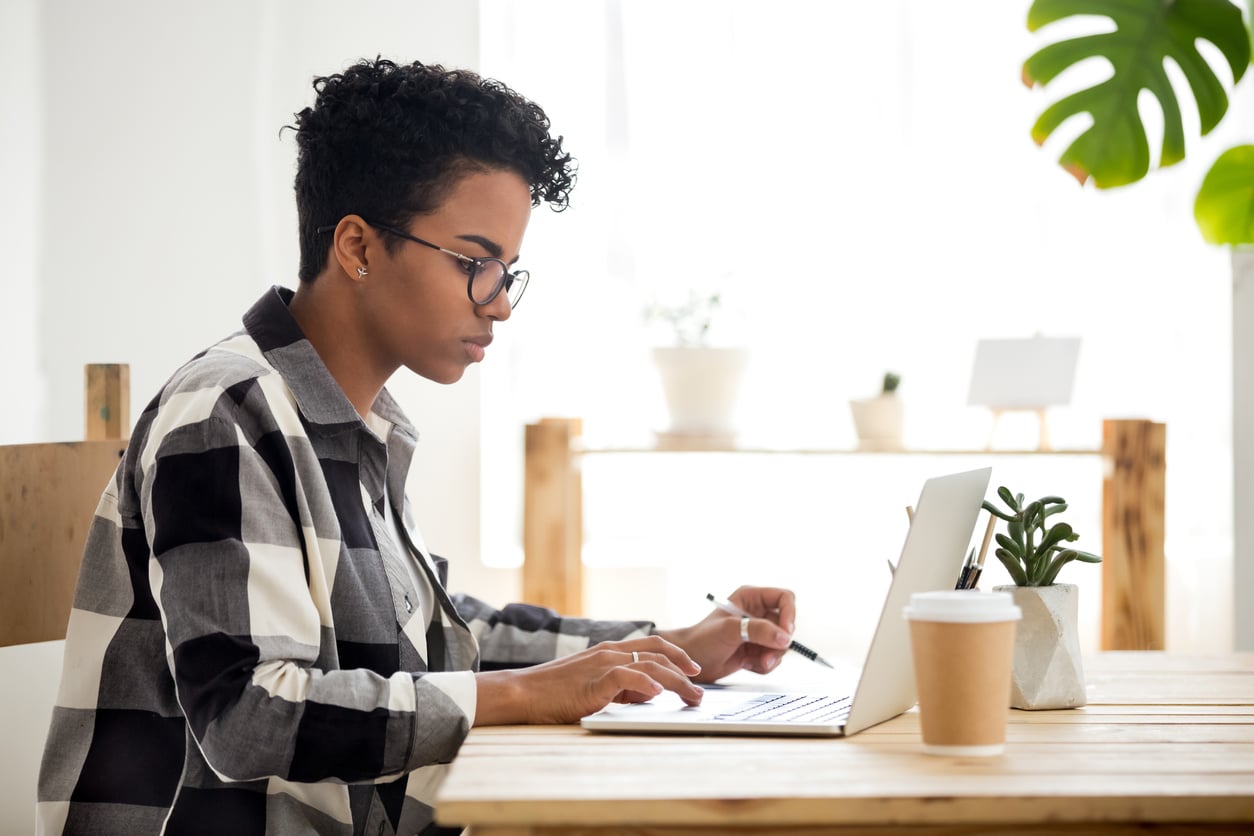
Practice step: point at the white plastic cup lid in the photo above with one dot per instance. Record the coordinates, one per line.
(967, 606)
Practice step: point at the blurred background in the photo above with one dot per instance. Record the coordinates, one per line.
(856, 181)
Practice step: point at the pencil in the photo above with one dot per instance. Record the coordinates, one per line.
(979, 563)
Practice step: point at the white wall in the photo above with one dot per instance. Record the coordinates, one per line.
(21, 131)
(1243, 446)
(147, 202)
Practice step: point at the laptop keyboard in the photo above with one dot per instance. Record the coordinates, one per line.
(789, 708)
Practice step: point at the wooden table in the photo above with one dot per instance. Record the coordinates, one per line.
(1165, 744)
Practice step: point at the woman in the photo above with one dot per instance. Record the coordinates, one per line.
(261, 642)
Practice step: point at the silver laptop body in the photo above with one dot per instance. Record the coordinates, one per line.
(931, 558)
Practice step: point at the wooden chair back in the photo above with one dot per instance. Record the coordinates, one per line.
(48, 496)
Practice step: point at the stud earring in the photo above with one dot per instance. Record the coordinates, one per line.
(362, 272)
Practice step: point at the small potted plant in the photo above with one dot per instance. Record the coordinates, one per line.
(701, 382)
(1036, 546)
(878, 420)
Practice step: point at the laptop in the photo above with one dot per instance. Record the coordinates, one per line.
(931, 559)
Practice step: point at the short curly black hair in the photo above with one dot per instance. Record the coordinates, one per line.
(390, 141)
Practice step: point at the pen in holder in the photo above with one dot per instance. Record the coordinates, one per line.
(973, 566)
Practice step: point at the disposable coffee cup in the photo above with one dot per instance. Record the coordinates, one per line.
(962, 643)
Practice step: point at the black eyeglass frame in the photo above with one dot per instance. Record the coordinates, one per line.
(507, 280)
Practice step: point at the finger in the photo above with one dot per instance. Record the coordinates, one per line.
(665, 671)
(624, 684)
(763, 632)
(659, 648)
(673, 680)
(632, 697)
(637, 657)
(760, 660)
(648, 679)
(779, 604)
(787, 604)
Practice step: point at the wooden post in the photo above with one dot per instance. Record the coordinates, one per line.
(1133, 559)
(107, 409)
(553, 517)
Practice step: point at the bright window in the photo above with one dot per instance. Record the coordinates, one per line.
(859, 181)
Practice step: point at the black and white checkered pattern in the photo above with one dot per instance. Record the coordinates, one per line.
(244, 656)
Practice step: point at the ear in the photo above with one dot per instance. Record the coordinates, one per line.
(349, 246)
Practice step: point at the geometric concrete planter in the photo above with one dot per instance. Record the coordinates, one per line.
(1047, 670)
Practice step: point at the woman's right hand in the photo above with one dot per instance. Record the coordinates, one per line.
(572, 687)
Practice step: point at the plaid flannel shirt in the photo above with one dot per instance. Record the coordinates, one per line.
(244, 655)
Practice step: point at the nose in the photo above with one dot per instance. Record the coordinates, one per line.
(498, 310)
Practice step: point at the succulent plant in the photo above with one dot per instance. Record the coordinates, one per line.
(891, 381)
(1032, 551)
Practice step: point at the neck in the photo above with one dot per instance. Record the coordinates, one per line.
(328, 324)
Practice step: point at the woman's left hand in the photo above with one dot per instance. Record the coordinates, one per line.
(716, 642)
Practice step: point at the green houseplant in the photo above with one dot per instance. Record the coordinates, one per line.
(1032, 551)
(1048, 672)
(690, 320)
(1114, 151)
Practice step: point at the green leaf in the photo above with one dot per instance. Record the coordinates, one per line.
(1012, 566)
(1224, 208)
(1008, 498)
(1009, 545)
(1055, 509)
(1015, 527)
(1057, 534)
(1114, 151)
(997, 512)
(1055, 567)
(1030, 524)
(1030, 512)
(1087, 557)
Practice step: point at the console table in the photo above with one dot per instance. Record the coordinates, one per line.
(1133, 455)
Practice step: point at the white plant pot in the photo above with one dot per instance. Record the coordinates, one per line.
(1048, 672)
(702, 387)
(878, 422)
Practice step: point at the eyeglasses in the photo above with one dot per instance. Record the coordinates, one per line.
(485, 277)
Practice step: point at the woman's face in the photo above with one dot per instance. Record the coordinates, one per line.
(418, 313)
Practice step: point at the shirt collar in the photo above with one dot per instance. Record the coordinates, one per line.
(318, 396)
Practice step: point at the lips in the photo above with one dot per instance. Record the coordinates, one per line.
(475, 348)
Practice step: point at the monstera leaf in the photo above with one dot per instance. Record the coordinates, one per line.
(1115, 150)
(1224, 208)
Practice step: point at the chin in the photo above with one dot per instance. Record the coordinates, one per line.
(443, 376)
(452, 378)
